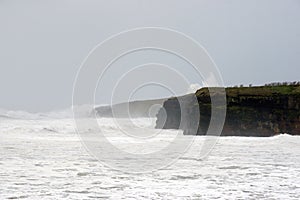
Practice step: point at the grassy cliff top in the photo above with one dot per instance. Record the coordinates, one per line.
(267, 90)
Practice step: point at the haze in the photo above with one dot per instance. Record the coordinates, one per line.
(43, 43)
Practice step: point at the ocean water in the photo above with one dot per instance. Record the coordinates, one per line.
(42, 157)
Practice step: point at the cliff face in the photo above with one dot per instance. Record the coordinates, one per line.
(251, 111)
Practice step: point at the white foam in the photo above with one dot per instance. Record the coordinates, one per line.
(44, 159)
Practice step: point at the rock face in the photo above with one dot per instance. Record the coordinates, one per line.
(251, 111)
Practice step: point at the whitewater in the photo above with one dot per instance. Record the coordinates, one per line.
(42, 157)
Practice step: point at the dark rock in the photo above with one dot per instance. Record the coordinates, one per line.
(250, 111)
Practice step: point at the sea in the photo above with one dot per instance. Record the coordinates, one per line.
(42, 156)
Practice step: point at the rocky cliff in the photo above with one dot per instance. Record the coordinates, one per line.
(250, 111)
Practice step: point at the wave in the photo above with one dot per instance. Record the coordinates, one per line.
(83, 111)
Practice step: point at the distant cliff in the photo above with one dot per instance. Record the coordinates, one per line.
(142, 108)
(251, 111)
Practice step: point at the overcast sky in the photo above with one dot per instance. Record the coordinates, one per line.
(42, 43)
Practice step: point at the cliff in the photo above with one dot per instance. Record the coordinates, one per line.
(251, 111)
(142, 108)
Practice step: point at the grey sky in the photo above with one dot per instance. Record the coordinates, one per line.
(42, 43)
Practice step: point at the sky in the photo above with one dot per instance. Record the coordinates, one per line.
(43, 43)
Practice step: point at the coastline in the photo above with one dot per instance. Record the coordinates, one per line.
(259, 111)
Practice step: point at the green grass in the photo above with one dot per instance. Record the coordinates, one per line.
(256, 91)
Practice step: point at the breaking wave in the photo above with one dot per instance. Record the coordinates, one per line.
(82, 110)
